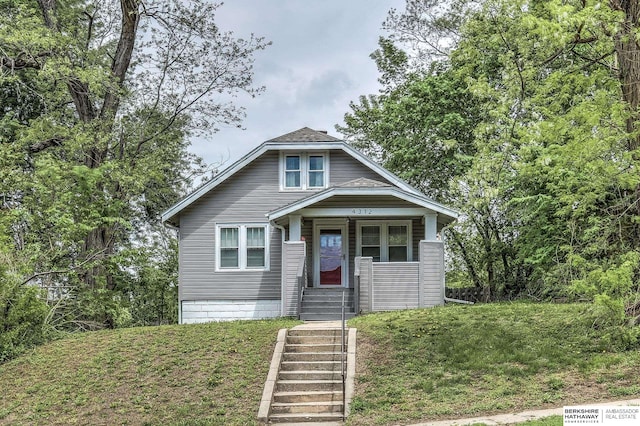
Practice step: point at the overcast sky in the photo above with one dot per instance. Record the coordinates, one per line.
(318, 62)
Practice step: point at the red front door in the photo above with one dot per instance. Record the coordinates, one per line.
(331, 256)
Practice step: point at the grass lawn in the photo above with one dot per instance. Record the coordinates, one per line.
(210, 374)
(463, 361)
(419, 365)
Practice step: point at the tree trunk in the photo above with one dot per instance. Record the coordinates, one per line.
(628, 56)
(466, 258)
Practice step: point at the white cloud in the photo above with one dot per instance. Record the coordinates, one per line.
(318, 62)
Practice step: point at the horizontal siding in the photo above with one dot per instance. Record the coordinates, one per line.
(395, 286)
(245, 198)
(293, 254)
(432, 272)
(200, 281)
(343, 168)
(365, 283)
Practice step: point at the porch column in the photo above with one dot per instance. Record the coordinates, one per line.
(295, 227)
(431, 227)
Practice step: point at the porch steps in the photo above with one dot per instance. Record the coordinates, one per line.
(308, 388)
(324, 304)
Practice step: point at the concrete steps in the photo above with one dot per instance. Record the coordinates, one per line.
(306, 418)
(325, 304)
(308, 388)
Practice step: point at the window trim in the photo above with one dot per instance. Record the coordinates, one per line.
(384, 237)
(305, 169)
(243, 247)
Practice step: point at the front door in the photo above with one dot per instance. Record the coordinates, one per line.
(330, 255)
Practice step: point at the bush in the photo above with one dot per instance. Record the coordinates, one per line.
(23, 315)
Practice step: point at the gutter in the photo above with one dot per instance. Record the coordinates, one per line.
(464, 302)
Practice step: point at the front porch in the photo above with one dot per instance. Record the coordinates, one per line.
(376, 286)
(377, 244)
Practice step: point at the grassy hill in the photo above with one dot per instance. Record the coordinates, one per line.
(192, 374)
(464, 361)
(454, 361)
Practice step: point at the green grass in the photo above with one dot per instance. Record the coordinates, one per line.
(210, 374)
(418, 365)
(463, 361)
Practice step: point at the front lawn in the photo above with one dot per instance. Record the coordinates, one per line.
(209, 374)
(463, 361)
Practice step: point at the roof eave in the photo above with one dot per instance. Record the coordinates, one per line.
(449, 214)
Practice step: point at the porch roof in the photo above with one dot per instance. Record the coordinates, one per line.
(368, 188)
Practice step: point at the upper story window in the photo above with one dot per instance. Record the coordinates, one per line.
(303, 171)
(242, 247)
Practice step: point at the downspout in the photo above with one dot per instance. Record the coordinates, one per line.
(177, 229)
(282, 232)
(464, 302)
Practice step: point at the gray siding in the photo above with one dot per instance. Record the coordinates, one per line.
(343, 168)
(432, 272)
(403, 285)
(293, 254)
(366, 280)
(245, 198)
(395, 286)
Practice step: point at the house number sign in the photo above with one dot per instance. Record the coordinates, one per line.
(362, 211)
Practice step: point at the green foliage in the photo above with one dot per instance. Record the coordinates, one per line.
(99, 100)
(23, 317)
(149, 277)
(422, 129)
(544, 168)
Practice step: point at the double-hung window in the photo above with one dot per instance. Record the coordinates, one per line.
(242, 247)
(388, 241)
(304, 171)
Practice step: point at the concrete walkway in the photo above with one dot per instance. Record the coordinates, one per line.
(318, 325)
(510, 419)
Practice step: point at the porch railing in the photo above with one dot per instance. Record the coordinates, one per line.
(301, 277)
(356, 287)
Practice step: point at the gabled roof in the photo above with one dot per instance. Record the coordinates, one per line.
(362, 183)
(287, 142)
(445, 213)
(305, 135)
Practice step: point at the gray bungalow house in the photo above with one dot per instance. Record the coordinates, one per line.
(299, 221)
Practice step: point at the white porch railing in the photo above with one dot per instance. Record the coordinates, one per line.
(385, 286)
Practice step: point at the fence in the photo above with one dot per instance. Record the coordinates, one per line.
(470, 294)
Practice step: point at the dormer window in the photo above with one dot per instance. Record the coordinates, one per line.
(302, 171)
(292, 172)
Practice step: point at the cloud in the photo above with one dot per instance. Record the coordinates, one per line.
(318, 63)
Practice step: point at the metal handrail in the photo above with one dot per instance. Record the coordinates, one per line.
(301, 275)
(343, 358)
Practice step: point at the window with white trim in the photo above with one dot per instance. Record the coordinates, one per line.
(302, 171)
(388, 241)
(242, 247)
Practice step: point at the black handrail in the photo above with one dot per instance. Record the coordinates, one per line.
(342, 360)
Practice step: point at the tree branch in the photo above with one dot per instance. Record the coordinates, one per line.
(67, 270)
(122, 57)
(42, 145)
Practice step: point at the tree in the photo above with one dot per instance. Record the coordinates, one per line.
(99, 102)
(550, 196)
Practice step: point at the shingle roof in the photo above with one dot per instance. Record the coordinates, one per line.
(305, 135)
